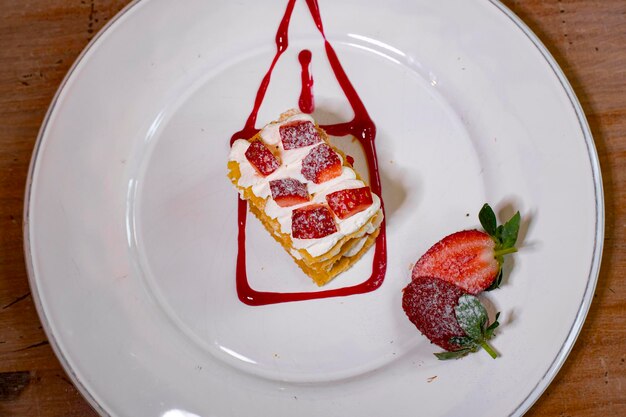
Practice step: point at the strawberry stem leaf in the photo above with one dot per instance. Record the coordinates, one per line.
(488, 220)
(455, 354)
(510, 230)
(496, 282)
(504, 251)
(492, 327)
(489, 349)
(463, 341)
(504, 236)
(472, 317)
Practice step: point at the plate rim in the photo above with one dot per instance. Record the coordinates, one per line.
(598, 244)
(90, 397)
(592, 275)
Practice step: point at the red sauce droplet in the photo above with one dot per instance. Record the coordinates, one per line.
(306, 102)
(362, 127)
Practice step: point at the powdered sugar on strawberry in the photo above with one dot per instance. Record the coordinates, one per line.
(312, 222)
(464, 258)
(429, 304)
(321, 164)
(298, 134)
(289, 191)
(262, 158)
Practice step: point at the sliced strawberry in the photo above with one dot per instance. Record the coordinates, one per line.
(466, 259)
(429, 304)
(346, 203)
(321, 164)
(289, 192)
(312, 222)
(299, 134)
(261, 158)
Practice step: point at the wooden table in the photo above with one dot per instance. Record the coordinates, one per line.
(39, 40)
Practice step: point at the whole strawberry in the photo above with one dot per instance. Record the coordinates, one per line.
(472, 259)
(448, 317)
(429, 304)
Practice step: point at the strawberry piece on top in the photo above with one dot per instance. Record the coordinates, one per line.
(321, 164)
(261, 158)
(429, 304)
(346, 203)
(466, 258)
(289, 192)
(312, 222)
(299, 134)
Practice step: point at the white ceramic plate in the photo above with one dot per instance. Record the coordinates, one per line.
(131, 224)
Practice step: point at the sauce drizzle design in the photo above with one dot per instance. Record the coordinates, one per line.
(361, 127)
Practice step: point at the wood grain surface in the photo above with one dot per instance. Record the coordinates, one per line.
(39, 40)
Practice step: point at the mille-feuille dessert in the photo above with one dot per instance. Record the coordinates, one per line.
(306, 194)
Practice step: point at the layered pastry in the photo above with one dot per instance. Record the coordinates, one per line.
(306, 194)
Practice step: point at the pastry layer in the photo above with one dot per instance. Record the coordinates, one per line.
(324, 258)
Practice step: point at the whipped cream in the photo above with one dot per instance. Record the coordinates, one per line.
(291, 165)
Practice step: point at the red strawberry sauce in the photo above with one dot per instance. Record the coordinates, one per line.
(306, 102)
(361, 127)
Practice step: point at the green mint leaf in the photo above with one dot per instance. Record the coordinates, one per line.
(488, 220)
(456, 354)
(510, 231)
(471, 316)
